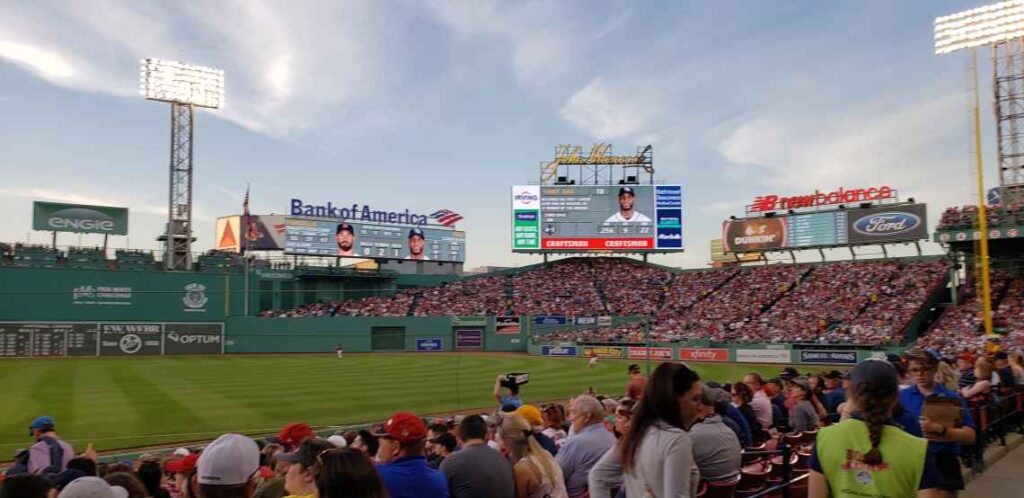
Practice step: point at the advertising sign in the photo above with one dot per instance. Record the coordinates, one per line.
(655, 353)
(703, 354)
(547, 350)
(886, 224)
(320, 237)
(603, 351)
(263, 233)
(469, 339)
(763, 356)
(469, 321)
(193, 338)
(506, 325)
(586, 320)
(604, 321)
(130, 339)
(625, 218)
(81, 218)
(754, 235)
(772, 202)
(429, 344)
(550, 320)
(829, 357)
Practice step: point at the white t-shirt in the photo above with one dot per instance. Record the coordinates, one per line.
(637, 218)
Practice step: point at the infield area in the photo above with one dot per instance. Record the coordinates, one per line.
(132, 402)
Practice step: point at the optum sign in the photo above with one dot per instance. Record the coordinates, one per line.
(57, 217)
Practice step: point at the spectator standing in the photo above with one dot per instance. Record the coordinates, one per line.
(982, 386)
(655, 457)
(347, 473)
(762, 406)
(300, 480)
(716, 448)
(49, 454)
(943, 442)
(1017, 367)
(803, 417)
(228, 466)
(965, 364)
(589, 442)
(635, 386)
(1002, 366)
(476, 470)
(511, 396)
(869, 457)
(536, 473)
(401, 461)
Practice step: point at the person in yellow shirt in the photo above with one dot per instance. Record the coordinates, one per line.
(300, 481)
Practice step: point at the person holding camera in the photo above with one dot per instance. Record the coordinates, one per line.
(511, 396)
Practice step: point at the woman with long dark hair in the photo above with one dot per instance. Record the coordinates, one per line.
(655, 456)
(741, 397)
(152, 477)
(867, 455)
(347, 473)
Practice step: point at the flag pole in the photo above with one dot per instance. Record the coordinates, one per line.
(245, 257)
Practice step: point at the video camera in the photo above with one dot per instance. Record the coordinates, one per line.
(514, 380)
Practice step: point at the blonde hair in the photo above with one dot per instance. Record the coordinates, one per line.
(948, 376)
(517, 436)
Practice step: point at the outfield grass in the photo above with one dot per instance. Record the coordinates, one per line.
(130, 402)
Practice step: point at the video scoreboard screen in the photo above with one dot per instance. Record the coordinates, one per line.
(321, 237)
(879, 224)
(570, 218)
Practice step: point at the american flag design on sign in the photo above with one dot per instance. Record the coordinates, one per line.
(446, 217)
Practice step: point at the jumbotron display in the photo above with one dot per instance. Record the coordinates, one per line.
(571, 218)
(873, 225)
(320, 237)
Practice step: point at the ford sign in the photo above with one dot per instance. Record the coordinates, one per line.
(885, 224)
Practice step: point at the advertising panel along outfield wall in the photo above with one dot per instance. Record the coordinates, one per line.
(623, 218)
(881, 224)
(32, 339)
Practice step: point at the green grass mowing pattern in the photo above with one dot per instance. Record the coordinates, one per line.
(130, 402)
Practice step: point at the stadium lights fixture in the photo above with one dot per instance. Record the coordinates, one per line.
(177, 82)
(979, 27)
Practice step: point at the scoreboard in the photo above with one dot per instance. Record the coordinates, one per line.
(323, 237)
(42, 339)
(840, 227)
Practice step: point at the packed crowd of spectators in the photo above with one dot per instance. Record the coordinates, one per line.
(477, 296)
(396, 305)
(967, 216)
(961, 326)
(566, 288)
(683, 434)
(690, 287)
(631, 289)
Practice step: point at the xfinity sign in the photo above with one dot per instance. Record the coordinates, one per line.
(57, 217)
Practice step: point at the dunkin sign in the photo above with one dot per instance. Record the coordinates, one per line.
(703, 354)
(754, 235)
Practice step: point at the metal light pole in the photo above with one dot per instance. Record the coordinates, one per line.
(995, 25)
(185, 87)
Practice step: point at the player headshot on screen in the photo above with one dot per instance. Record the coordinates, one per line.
(346, 238)
(626, 213)
(416, 243)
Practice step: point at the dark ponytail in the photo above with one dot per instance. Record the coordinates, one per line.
(874, 403)
(659, 403)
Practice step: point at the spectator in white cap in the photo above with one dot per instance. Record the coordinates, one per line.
(338, 441)
(92, 487)
(227, 468)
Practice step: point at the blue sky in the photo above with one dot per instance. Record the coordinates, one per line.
(445, 104)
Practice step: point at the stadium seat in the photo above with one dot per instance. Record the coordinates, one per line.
(808, 437)
(722, 489)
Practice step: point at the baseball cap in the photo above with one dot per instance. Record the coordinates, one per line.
(404, 427)
(447, 440)
(229, 460)
(531, 414)
(879, 373)
(344, 227)
(182, 465)
(802, 384)
(633, 368)
(788, 373)
(416, 231)
(834, 374)
(307, 452)
(338, 441)
(92, 487)
(40, 422)
(182, 452)
(626, 190)
(292, 434)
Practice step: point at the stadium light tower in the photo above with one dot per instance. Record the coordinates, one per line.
(185, 87)
(1001, 26)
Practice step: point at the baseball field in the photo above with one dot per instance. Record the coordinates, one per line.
(133, 402)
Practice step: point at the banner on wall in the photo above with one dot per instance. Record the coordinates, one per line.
(558, 350)
(586, 320)
(604, 321)
(469, 339)
(429, 344)
(635, 353)
(507, 325)
(703, 354)
(763, 356)
(469, 321)
(829, 357)
(602, 351)
(550, 320)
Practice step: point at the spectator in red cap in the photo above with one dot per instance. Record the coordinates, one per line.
(183, 470)
(401, 461)
(292, 435)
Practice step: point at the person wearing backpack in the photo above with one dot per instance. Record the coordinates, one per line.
(49, 454)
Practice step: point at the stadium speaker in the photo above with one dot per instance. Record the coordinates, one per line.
(562, 180)
(791, 211)
(842, 206)
(865, 205)
(732, 218)
(631, 180)
(910, 200)
(769, 214)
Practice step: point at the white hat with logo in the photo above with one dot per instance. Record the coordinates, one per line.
(229, 460)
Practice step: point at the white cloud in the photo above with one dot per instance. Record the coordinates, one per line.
(44, 63)
(609, 112)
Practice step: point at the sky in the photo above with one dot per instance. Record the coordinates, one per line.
(424, 105)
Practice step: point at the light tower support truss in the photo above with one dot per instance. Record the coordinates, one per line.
(179, 211)
(1008, 78)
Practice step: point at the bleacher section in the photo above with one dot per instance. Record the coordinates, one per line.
(87, 258)
(134, 260)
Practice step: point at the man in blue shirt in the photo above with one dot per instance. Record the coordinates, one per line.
(401, 461)
(511, 399)
(590, 441)
(943, 441)
(835, 395)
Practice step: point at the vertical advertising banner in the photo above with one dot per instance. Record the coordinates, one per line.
(526, 217)
(668, 200)
(506, 325)
(469, 339)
